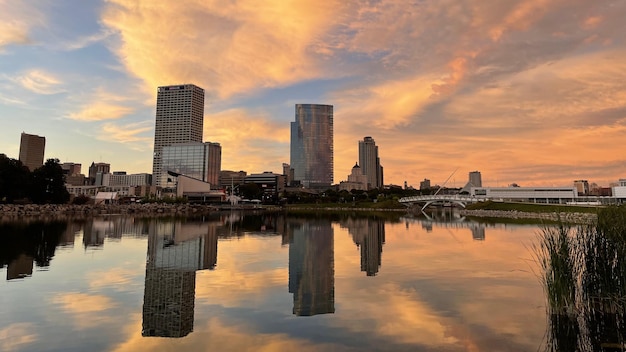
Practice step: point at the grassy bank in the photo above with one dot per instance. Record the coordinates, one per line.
(531, 207)
(384, 205)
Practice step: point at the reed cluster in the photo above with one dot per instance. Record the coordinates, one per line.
(583, 273)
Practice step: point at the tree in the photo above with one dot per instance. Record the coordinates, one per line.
(250, 191)
(48, 185)
(14, 179)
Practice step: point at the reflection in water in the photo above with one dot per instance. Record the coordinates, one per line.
(449, 221)
(312, 268)
(21, 244)
(175, 252)
(369, 235)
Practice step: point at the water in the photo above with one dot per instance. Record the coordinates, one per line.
(234, 282)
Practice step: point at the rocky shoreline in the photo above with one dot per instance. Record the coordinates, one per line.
(155, 209)
(573, 218)
(13, 210)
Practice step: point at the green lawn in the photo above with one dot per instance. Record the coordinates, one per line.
(531, 207)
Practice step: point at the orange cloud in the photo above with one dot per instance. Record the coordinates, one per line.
(229, 48)
(14, 337)
(39, 81)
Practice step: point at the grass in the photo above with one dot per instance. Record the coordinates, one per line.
(531, 207)
(386, 204)
(583, 273)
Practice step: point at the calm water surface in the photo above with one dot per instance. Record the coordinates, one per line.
(234, 282)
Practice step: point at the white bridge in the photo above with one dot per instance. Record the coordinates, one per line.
(440, 199)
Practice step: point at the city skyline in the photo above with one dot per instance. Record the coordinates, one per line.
(529, 92)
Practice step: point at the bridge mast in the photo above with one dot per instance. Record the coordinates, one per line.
(448, 179)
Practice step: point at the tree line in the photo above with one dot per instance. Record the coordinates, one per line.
(44, 185)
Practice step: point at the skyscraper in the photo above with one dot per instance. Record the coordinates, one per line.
(311, 154)
(32, 149)
(179, 119)
(370, 162)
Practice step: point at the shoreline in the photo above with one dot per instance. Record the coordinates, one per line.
(12, 211)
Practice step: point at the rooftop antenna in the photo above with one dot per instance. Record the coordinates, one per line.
(440, 187)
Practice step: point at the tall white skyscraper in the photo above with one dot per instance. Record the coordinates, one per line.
(179, 119)
(370, 162)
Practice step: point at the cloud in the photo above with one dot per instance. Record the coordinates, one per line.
(229, 48)
(128, 133)
(98, 111)
(40, 81)
(466, 83)
(85, 41)
(88, 311)
(248, 139)
(15, 336)
(16, 20)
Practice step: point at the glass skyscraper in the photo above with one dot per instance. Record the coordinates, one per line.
(201, 161)
(311, 154)
(179, 119)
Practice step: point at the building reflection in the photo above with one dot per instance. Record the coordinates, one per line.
(312, 267)
(369, 235)
(20, 267)
(176, 251)
(28, 244)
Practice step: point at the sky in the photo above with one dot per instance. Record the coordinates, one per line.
(531, 92)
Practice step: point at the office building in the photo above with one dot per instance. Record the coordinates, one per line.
(96, 172)
(370, 162)
(582, 187)
(179, 119)
(32, 150)
(201, 161)
(272, 185)
(311, 150)
(230, 178)
(425, 185)
(475, 179)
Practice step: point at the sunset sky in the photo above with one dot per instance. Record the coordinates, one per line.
(529, 91)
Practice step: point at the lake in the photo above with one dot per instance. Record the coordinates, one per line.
(270, 282)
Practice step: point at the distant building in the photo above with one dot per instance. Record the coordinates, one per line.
(121, 179)
(620, 191)
(549, 195)
(289, 174)
(582, 186)
(96, 170)
(311, 149)
(272, 185)
(201, 161)
(424, 185)
(70, 168)
(32, 149)
(370, 162)
(231, 178)
(475, 179)
(179, 119)
(356, 180)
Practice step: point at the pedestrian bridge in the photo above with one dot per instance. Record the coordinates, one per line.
(437, 199)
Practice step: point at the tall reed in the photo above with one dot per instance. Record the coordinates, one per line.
(583, 272)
